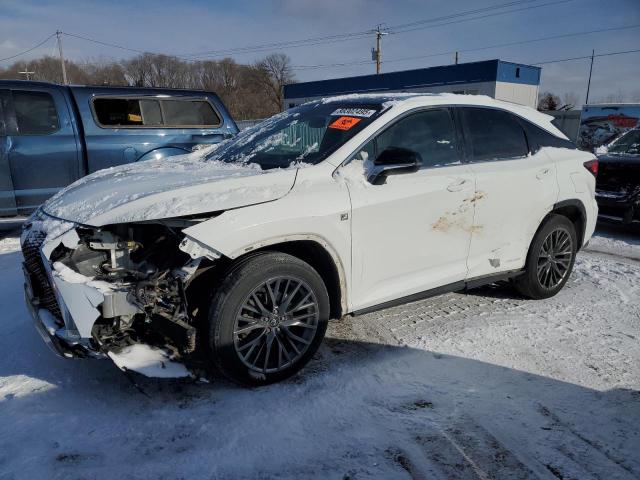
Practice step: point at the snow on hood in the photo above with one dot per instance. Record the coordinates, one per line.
(169, 187)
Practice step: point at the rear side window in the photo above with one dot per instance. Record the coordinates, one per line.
(35, 113)
(493, 135)
(539, 138)
(430, 133)
(134, 112)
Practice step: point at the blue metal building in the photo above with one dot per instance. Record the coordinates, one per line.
(512, 82)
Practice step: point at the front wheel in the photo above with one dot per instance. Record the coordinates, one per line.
(550, 259)
(267, 318)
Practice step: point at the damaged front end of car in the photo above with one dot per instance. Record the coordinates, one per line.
(118, 291)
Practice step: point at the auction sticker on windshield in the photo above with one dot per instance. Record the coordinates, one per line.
(344, 123)
(354, 112)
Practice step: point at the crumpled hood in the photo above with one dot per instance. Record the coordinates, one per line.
(170, 187)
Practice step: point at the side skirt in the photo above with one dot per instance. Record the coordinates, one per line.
(451, 287)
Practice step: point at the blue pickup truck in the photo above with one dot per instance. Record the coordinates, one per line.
(51, 135)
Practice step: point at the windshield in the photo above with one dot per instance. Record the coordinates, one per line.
(306, 134)
(627, 143)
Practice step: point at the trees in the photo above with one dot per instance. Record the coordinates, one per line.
(548, 101)
(248, 91)
(273, 72)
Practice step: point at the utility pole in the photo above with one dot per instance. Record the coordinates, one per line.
(593, 53)
(26, 72)
(456, 58)
(64, 69)
(376, 54)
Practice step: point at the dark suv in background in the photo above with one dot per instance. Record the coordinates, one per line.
(52, 135)
(618, 184)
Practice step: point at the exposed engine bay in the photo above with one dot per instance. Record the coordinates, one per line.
(139, 277)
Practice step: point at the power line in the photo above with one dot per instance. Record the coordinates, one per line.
(30, 49)
(622, 52)
(587, 56)
(284, 44)
(357, 35)
(468, 12)
(106, 44)
(192, 57)
(397, 31)
(487, 47)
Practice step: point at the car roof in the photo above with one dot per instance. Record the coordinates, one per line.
(431, 99)
(406, 100)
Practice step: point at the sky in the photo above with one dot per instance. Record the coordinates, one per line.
(195, 26)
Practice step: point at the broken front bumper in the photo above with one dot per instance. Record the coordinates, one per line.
(55, 336)
(43, 298)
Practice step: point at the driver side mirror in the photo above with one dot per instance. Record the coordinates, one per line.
(391, 161)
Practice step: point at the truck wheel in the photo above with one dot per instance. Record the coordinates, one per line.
(550, 259)
(267, 318)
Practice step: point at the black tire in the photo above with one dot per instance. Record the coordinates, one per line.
(530, 283)
(229, 301)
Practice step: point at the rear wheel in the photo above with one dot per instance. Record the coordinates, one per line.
(550, 259)
(267, 319)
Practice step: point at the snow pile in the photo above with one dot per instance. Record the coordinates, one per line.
(51, 227)
(356, 171)
(8, 245)
(392, 97)
(113, 187)
(64, 273)
(627, 245)
(149, 361)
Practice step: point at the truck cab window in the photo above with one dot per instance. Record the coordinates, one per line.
(35, 113)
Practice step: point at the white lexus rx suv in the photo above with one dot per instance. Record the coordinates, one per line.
(237, 256)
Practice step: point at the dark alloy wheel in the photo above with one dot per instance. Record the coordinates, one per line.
(555, 257)
(275, 324)
(267, 318)
(550, 259)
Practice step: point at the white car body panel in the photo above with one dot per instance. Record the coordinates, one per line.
(410, 234)
(512, 198)
(312, 210)
(575, 182)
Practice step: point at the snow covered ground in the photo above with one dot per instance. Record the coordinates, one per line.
(477, 385)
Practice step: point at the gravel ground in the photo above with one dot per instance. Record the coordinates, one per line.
(475, 385)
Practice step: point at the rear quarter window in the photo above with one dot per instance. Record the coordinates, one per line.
(538, 138)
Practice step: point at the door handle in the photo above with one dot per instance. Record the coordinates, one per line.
(457, 185)
(543, 173)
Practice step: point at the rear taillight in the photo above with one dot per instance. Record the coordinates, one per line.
(592, 166)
